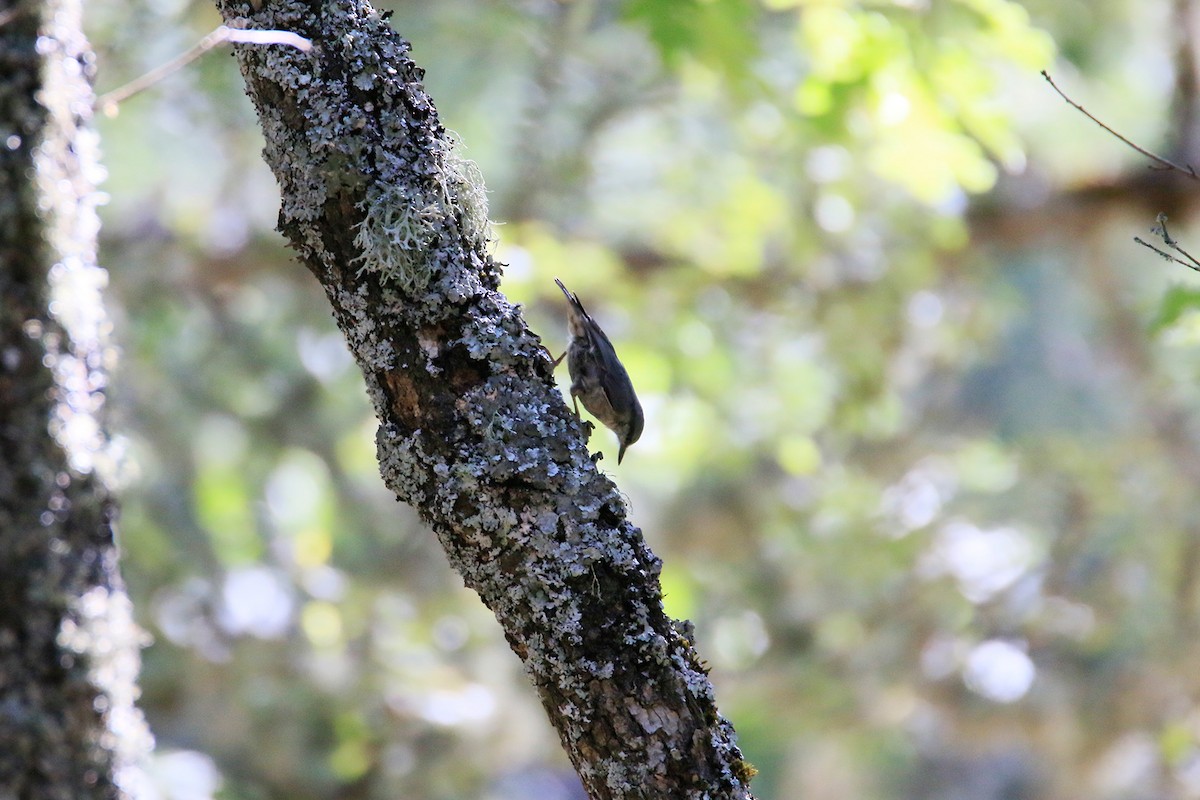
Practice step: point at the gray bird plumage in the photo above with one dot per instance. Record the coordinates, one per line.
(598, 378)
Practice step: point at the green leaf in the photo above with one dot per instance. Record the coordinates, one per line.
(717, 33)
(1175, 303)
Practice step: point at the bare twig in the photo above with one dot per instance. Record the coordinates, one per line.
(1161, 231)
(109, 101)
(1164, 163)
(1165, 254)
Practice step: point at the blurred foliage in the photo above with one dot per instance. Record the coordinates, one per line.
(926, 492)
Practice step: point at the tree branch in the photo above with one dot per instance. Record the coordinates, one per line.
(68, 643)
(1161, 231)
(107, 103)
(1163, 162)
(473, 433)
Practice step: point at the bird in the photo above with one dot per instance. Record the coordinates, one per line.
(597, 376)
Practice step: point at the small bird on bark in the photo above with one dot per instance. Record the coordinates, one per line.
(597, 376)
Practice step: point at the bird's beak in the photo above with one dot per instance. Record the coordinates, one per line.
(621, 453)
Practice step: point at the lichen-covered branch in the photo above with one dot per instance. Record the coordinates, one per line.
(68, 645)
(473, 433)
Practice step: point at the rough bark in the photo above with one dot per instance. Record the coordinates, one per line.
(472, 431)
(68, 646)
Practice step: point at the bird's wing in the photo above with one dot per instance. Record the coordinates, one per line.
(613, 377)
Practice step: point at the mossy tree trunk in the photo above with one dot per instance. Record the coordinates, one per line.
(473, 432)
(68, 646)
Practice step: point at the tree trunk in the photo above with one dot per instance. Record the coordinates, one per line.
(473, 433)
(68, 645)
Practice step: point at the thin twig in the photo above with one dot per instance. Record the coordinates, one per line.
(1165, 163)
(1165, 254)
(1161, 231)
(1172, 242)
(108, 102)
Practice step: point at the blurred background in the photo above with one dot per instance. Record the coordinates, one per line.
(921, 449)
